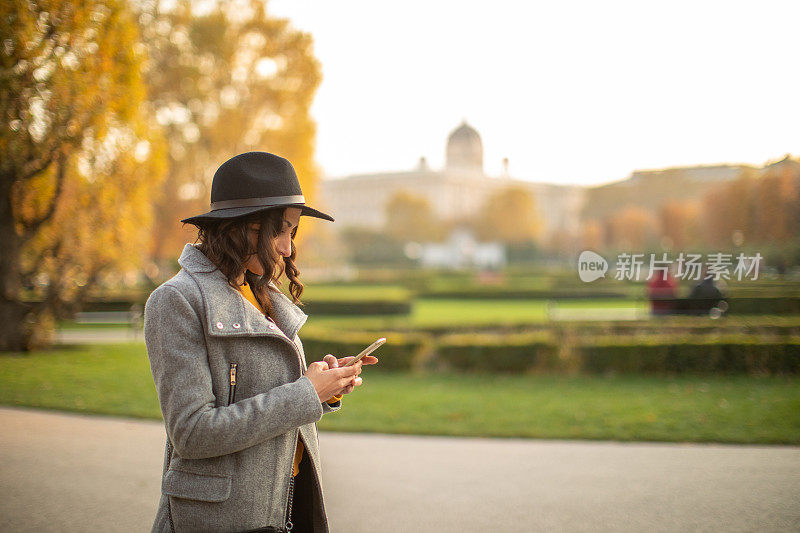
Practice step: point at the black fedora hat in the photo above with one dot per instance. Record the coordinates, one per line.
(252, 182)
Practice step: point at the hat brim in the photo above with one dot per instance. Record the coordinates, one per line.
(235, 212)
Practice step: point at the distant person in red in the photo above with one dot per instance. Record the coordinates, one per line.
(662, 289)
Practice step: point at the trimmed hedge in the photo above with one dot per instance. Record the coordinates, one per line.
(356, 292)
(560, 351)
(781, 325)
(356, 300)
(400, 352)
(784, 305)
(678, 355)
(356, 307)
(106, 306)
(748, 305)
(111, 306)
(511, 293)
(498, 353)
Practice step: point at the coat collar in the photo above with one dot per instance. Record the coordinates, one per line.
(227, 312)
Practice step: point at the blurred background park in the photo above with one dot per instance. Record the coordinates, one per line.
(469, 157)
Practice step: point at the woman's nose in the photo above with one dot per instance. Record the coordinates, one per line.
(284, 246)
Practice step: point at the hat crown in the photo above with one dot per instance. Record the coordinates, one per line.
(251, 182)
(254, 175)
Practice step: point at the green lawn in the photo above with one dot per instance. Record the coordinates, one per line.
(707, 409)
(109, 379)
(442, 312)
(115, 379)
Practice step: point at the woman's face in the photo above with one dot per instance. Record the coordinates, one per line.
(282, 243)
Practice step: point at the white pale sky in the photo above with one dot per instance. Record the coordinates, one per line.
(570, 91)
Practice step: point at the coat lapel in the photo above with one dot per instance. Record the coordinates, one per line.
(228, 313)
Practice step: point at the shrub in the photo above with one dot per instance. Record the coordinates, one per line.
(764, 306)
(355, 292)
(360, 307)
(515, 293)
(498, 353)
(677, 355)
(401, 352)
(356, 300)
(677, 326)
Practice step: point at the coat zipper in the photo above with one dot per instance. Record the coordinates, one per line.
(290, 492)
(232, 390)
(290, 495)
(290, 488)
(169, 503)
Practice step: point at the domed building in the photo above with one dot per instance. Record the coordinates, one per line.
(464, 149)
(461, 189)
(456, 192)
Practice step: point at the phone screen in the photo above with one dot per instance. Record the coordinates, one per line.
(368, 350)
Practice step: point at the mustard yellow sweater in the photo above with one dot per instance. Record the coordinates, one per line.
(247, 292)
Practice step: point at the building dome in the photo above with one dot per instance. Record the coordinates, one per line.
(464, 148)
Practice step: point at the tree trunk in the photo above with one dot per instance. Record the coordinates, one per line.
(15, 316)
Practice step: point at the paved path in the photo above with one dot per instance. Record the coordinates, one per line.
(79, 473)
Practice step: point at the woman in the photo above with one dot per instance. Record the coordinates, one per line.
(240, 404)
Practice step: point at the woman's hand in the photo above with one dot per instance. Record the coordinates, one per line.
(328, 382)
(366, 360)
(333, 362)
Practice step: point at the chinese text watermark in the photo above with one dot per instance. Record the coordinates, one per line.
(685, 266)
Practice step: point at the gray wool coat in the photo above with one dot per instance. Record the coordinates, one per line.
(229, 448)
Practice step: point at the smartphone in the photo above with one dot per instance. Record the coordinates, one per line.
(368, 350)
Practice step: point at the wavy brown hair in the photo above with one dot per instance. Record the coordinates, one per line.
(226, 244)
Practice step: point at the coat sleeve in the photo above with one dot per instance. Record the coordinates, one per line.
(197, 429)
(331, 407)
(327, 407)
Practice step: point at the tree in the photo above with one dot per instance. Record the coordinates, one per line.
(370, 247)
(224, 80)
(761, 208)
(633, 228)
(777, 202)
(509, 216)
(591, 235)
(409, 217)
(78, 156)
(680, 222)
(563, 243)
(729, 209)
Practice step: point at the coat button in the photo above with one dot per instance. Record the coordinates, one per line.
(236, 325)
(272, 326)
(219, 325)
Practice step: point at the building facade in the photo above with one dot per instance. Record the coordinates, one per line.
(458, 191)
(461, 189)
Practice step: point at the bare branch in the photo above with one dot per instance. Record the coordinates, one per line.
(32, 168)
(39, 263)
(31, 227)
(36, 167)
